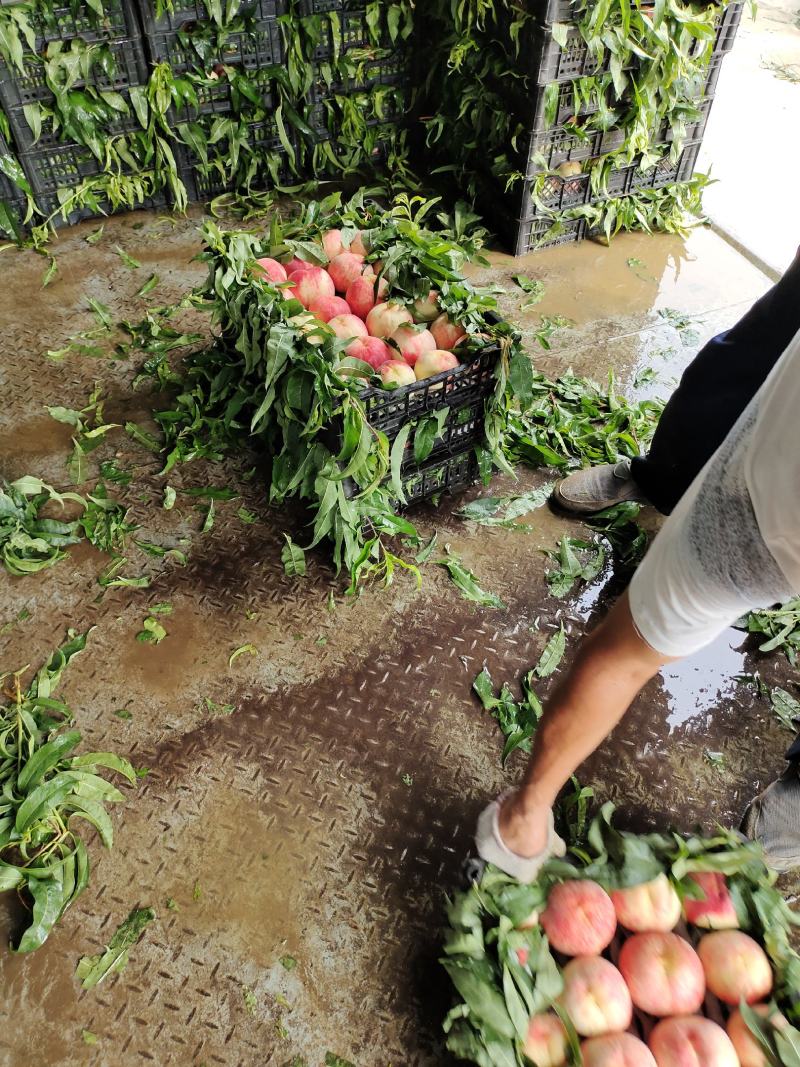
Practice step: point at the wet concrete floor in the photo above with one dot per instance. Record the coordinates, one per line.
(306, 809)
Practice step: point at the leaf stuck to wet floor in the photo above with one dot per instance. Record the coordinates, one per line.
(127, 258)
(288, 963)
(516, 719)
(294, 559)
(786, 708)
(240, 651)
(467, 583)
(93, 969)
(552, 655)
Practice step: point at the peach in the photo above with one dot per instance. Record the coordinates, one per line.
(311, 284)
(413, 342)
(358, 245)
(348, 327)
(546, 1041)
(344, 269)
(384, 319)
(523, 954)
(747, 1048)
(364, 293)
(691, 1041)
(332, 243)
(396, 373)
(296, 264)
(328, 307)
(426, 309)
(271, 269)
(715, 911)
(310, 326)
(664, 974)
(431, 363)
(371, 350)
(579, 919)
(446, 333)
(650, 906)
(595, 997)
(616, 1050)
(736, 966)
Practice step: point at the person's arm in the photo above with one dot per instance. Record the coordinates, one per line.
(612, 665)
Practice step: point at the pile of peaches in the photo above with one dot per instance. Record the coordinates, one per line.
(657, 971)
(348, 299)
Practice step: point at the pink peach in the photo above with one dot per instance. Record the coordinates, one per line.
(396, 373)
(446, 333)
(358, 245)
(579, 919)
(616, 1050)
(715, 910)
(271, 269)
(595, 997)
(364, 293)
(328, 307)
(650, 906)
(384, 319)
(691, 1041)
(371, 350)
(344, 269)
(296, 264)
(412, 343)
(332, 243)
(546, 1042)
(664, 974)
(347, 326)
(311, 284)
(736, 966)
(431, 363)
(747, 1048)
(426, 309)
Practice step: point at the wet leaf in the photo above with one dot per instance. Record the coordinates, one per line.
(123, 713)
(169, 498)
(50, 272)
(240, 651)
(101, 312)
(288, 962)
(93, 969)
(532, 286)
(127, 259)
(149, 285)
(250, 1001)
(95, 235)
(786, 708)
(293, 558)
(467, 584)
(247, 516)
(553, 654)
(88, 1037)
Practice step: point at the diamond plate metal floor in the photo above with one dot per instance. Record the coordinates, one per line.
(323, 820)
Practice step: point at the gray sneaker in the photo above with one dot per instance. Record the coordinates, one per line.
(596, 488)
(773, 818)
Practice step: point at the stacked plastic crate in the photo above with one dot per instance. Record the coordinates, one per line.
(559, 120)
(219, 63)
(558, 158)
(52, 58)
(354, 100)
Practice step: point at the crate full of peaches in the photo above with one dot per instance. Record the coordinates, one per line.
(659, 951)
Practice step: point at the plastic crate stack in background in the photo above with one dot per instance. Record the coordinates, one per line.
(52, 58)
(561, 134)
(353, 108)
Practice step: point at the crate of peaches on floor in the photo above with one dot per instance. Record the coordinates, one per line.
(426, 379)
(652, 950)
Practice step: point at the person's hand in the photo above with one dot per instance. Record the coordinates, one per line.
(494, 849)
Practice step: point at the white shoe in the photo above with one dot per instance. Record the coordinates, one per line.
(492, 848)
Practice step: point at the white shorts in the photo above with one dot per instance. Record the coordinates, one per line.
(709, 564)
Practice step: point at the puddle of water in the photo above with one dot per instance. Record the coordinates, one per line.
(701, 682)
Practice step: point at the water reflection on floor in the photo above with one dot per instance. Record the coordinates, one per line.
(702, 681)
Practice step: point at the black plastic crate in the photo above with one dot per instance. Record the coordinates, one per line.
(323, 113)
(23, 135)
(29, 87)
(184, 13)
(205, 181)
(59, 166)
(217, 98)
(252, 49)
(390, 68)
(727, 27)
(453, 474)
(547, 61)
(388, 410)
(49, 205)
(353, 33)
(324, 7)
(65, 21)
(523, 236)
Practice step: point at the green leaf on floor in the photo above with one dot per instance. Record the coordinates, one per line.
(95, 235)
(149, 285)
(93, 969)
(553, 654)
(127, 259)
(577, 560)
(517, 719)
(240, 651)
(503, 510)
(101, 312)
(467, 583)
(786, 708)
(293, 558)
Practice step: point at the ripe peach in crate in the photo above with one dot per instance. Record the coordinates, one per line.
(663, 973)
(747, 1048)
(546, 1041)
(691, 1041)
(579, 919)
(595, 996)
(616, 1050)
(736, 966)
(714, 909)
(651, 906)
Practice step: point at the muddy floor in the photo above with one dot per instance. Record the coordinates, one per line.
(305, 810)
